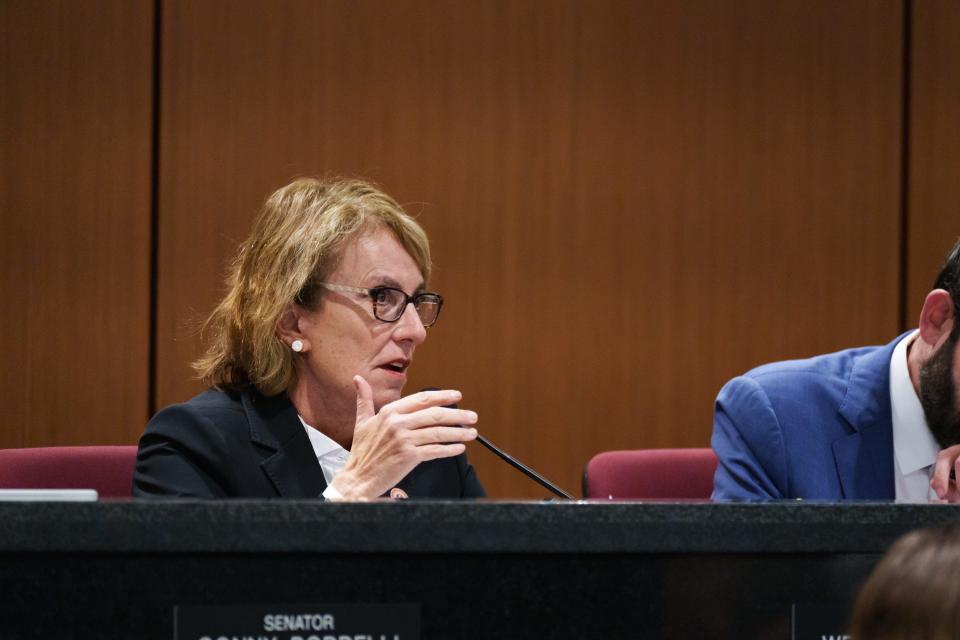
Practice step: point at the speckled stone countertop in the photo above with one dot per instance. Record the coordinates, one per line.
(257, 526)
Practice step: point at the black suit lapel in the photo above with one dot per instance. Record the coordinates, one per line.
(408, 484)
(289, 461)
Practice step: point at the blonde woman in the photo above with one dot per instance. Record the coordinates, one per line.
(309, 352)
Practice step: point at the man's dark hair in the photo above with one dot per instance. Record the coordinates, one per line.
(949, 280)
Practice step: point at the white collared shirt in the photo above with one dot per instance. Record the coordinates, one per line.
(914, 447)
(331, 456)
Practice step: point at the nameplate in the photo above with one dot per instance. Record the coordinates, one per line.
(297, 622)
(820, 621)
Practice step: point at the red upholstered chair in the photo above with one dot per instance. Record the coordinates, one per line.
(108, 469)
(680, 474)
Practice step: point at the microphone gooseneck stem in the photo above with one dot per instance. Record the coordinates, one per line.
(530, 473)
(516, 464)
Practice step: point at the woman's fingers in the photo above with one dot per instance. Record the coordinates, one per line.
(440, 435)
(434, 416)
(365, 408)
(434, 451)
(422, 400)
(388, 444)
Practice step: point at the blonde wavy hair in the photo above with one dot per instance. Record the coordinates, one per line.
(296, 242)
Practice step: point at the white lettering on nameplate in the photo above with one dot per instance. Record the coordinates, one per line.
(820, 621)
(298, 622)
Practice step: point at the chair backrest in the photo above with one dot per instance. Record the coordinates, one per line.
(108, 469)
(681, 474)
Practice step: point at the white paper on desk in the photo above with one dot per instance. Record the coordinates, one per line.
(48, 495)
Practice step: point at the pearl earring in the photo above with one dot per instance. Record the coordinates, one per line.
(297, 346)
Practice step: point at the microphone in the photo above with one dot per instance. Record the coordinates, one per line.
(516, 464)
(527, 471)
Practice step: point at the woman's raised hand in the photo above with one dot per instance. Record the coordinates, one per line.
(389, 444)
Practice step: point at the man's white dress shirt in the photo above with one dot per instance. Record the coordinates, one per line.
(914, 447)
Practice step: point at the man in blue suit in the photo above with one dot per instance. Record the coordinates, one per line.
(878, 423)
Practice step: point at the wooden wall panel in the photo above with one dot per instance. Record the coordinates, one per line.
(75, 132)
(934, 176)
(629, 202)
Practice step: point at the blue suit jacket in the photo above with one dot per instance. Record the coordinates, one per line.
(817, 429)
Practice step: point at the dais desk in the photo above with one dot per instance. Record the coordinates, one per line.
(117, 569)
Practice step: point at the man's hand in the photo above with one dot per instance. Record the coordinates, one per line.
(948, 460)
(388, 445)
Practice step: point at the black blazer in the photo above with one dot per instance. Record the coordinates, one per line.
(244, 445)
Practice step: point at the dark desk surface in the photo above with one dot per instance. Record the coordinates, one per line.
(117, 569)
(246, 526)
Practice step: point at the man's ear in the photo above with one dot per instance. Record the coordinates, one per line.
(937, 318)
(288, 326)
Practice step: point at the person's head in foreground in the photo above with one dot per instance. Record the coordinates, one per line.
(913, 593)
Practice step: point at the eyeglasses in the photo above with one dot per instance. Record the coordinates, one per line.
(389, 303)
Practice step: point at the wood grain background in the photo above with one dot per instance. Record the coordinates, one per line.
(75, 179)
(933, 146)
(629, 202)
